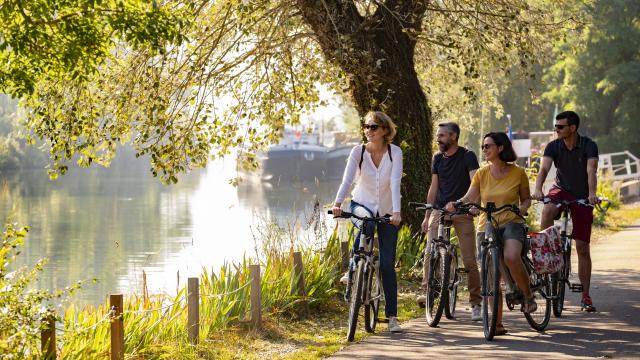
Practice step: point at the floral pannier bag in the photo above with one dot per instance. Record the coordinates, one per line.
(546, 250)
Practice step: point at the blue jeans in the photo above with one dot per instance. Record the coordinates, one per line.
(387, 242)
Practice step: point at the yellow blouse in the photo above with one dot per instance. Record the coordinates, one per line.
(501, 191)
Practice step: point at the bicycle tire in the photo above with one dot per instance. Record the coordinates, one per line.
(454, 280)
(437, 287)
(374, 291)
(491, 295)
(355, 300)
(541, 288)
(560, 281)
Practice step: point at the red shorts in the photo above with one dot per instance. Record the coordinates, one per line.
(581, 216)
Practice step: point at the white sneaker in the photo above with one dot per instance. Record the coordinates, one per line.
(394, 326)
(476, 313)
(345, 278)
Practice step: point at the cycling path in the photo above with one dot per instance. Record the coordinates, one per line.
(612, 332)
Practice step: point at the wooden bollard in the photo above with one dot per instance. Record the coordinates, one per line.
(193, 317)
(48, 338)
(256, 297)
(298, 270)
(117, 328)
(344, 248)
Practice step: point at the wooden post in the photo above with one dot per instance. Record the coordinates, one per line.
(48, 338)
(193, 302)
(117, 328)
(344, 247)
(298, 270)
(256, 297)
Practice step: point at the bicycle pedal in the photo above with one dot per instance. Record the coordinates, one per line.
(576, 288)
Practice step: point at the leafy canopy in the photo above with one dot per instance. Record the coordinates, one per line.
(186, 79)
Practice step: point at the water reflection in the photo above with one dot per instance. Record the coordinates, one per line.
(111, 224)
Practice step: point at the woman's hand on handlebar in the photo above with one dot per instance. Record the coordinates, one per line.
(474, 211)
(337, 211)
(395, 219)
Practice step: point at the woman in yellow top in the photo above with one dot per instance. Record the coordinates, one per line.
(503, 183)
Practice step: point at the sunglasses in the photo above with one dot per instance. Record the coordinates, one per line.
(560, 126)
(486, 146)
(373, 127)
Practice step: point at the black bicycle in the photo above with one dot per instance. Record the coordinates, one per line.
(491, 265)
(364, 284)
(562, 277)
(443, 275)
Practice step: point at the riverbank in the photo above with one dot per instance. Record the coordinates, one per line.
(157, 326)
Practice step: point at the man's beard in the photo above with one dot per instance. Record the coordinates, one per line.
(443, 147)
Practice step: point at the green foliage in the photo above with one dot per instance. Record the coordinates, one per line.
(23, 307)
(409, 253)
(597, 72)
(609, 189)
(68, 40)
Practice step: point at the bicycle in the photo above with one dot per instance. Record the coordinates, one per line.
(443, 263)
(560, 278)
(364, 284)
(491, 255)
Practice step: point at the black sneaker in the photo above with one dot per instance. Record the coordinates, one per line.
(586, 304)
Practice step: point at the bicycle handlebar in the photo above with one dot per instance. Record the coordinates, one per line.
(425, 206)
(346, 215)
(489, 209)
(583, 202)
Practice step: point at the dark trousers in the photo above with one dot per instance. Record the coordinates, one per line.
(387, 243)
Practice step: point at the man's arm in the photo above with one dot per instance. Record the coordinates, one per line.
(433, 191)
(431, 198)
(471, 173)
(545, 166)
(592, 169)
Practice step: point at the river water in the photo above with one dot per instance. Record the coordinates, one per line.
(112, 224)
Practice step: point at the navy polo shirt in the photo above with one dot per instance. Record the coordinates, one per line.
(453, 174)
(571, 165)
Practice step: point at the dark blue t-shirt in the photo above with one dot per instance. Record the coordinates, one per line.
(453, 174)
(571, 165)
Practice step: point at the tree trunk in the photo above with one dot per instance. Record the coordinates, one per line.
(376, 53)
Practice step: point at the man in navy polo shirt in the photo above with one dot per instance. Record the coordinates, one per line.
(576, 160)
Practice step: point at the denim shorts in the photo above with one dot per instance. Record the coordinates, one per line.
(514, 231)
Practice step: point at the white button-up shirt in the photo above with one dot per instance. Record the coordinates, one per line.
(376, 188)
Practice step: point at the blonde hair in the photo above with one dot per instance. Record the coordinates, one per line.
(385, 121)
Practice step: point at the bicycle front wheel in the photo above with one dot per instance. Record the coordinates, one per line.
(437, 286)
(491, 295)
(355, 300)
(541, 288)
(454, 279)
(374, 293)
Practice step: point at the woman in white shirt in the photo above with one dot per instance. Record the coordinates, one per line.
(376, 167)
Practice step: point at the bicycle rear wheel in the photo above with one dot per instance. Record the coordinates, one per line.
(454, 280)
(374, 291)
(541, 288)
(559, 283)
(491, 295)
(437, 286)
(356, 299)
